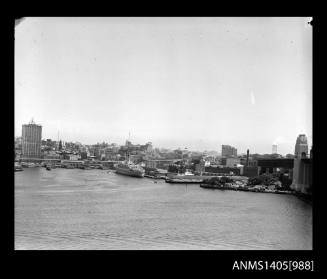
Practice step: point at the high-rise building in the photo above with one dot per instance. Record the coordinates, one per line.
(31, 140)
(228, 151)
(274, 149)
(247, 157)
(301, 147)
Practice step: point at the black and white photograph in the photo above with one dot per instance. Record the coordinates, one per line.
(163, 133)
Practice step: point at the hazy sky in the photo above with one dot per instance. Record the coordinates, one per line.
(178, 82)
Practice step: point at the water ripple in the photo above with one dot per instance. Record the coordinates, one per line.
(74, 209)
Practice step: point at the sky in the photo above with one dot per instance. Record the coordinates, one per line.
(194, 83)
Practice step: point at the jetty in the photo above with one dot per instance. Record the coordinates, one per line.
(186, 178)
(258, 189)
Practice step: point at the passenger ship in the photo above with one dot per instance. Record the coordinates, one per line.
(129, 168)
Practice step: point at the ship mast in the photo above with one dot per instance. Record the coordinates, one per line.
(127, 153)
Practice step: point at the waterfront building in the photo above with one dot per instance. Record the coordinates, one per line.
(73, 157)
(51, 155)
(160, 163)
(275, 165)
(151, 164)
(228, 151)
(72, 163)
(83, 155)
(222, 171)
(247, 160)
(31, 140)
(250, 171)
(252, 163)
(200, 167)
(232, 162)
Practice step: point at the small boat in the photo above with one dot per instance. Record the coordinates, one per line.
(18, 167)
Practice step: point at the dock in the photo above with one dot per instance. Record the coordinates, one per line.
(244, 189)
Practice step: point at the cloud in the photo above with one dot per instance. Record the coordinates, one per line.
(252, 98)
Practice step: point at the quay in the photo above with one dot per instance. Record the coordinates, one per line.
(183, 180)
(175, 178)
(195, 178)
(245, 189)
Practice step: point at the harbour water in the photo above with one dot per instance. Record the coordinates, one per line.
(97, 209)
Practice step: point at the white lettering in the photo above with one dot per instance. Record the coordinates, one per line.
(236, 265)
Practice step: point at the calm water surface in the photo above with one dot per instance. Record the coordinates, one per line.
(94, 209)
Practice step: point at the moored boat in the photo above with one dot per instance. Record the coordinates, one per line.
(18, 167)
(130, 169)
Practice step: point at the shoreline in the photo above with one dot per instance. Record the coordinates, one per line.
(175, 180)
(304, 197)
(245, 189)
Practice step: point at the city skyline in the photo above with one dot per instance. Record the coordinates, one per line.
(160, 147)
(177, 82)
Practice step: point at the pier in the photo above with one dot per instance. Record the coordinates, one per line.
(245, 189)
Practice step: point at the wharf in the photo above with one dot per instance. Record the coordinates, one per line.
(187, 178)
(183, 180)
(245, 189)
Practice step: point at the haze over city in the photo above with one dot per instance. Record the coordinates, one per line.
(177, 82)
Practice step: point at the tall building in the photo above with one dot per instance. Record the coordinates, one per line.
(31, 140)
(228, 151)
(301, 147)
(247, 157)
(274, 149)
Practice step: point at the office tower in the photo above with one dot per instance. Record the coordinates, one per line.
(274, 149)
(31, 140)
(228, 151)
(247, 157)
